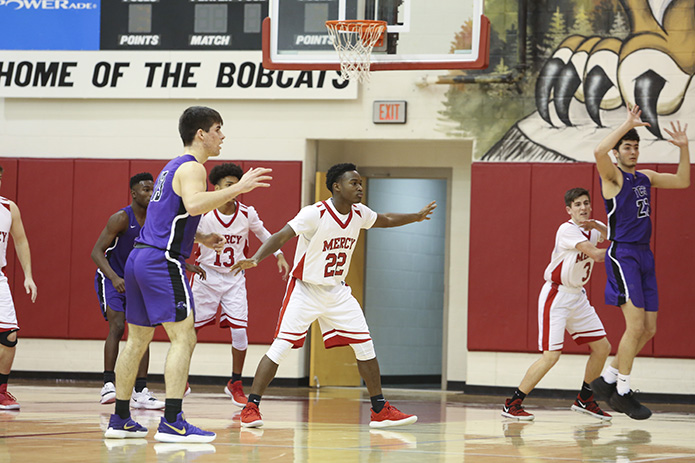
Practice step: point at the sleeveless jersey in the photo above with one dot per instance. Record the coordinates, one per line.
(327, 240)
(118, 251)
(569, 266)
(629, 211)
(169, 226)
(235, 229)
(5, 225)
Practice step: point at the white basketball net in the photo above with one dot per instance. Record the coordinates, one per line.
(354, 41)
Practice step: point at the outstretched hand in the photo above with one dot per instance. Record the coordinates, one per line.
(255, 177)
(243, 265)
(214, 241)
(634, 117)
(426, 211)
(588, 225)
(678, 135)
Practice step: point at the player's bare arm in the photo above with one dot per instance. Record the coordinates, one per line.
(393, 219)
(609, 172)
(592, 224)
(681, 179)
(213, 241)
(275, 242)
(190, 183)
(116, 225)
(597, 254)
(21, 246)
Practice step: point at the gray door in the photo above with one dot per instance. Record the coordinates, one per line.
(404, 278)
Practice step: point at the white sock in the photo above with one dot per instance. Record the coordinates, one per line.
(623, 386)
(610, 374)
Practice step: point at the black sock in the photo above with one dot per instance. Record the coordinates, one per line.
(236, 377)
(4, 379)
(586, 392)
(254, 399)
(140, 384)
(172, 407)
(109, 376)
(518, 395)
(123, 408)
(378, 403)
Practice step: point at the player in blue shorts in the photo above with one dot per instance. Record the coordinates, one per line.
(157, 291)
(631, 279)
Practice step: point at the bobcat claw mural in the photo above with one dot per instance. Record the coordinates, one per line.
(588, 77)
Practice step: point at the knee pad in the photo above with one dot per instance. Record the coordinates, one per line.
(239, 339)
(278, 350)
(364, 351)
(4, 338)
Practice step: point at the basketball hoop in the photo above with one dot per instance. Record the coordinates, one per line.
(354, 40)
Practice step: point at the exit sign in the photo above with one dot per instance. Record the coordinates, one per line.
(389, 112)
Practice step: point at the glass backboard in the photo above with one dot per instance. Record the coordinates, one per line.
(421, 34)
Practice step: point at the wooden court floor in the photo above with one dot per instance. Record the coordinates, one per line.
(64, 422)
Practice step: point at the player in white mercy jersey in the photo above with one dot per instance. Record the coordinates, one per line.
(233, 221)
(563, 305)
(328, 231)
(11, 225)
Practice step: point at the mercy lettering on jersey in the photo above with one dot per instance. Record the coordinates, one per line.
(569, 266)
(327, 240)
(5, 226)
(235, 230)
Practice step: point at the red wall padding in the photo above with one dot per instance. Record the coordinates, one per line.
(515, 212)
(65, 205)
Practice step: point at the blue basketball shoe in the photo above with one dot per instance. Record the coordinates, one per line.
(120, 428)
(182, 431)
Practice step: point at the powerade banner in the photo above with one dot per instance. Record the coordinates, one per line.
(49, 24)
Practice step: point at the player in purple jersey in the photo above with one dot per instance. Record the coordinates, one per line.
(155, 279)
(110, 253)
(631, 279)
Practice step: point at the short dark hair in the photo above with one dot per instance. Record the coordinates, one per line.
(337, 171)
(631, 135)
(194, 118)
(1, 170)
(575, 193)
(221, 171)
(141, 177)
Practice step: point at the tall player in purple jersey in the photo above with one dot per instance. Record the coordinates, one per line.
(631, 278)
(155, 279)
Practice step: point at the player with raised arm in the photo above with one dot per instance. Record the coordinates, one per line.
(157, 290)
(327, 231)
(631, 277)
(563, 305)
(11, 225)
(234, 221)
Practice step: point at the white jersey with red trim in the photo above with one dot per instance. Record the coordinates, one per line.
(235, 230)
(569, 266)
(326, 241)
(5, 225)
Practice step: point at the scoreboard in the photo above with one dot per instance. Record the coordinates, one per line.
(182, 24)
(131, 24)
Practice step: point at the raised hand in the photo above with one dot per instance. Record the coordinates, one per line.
(634, 117)
(255, 177)
(426, 211)
(678, 135)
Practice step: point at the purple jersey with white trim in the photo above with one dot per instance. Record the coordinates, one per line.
(119, 249)
(629, 211)
(169, 226)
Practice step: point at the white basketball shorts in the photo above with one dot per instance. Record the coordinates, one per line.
(562, 308)
(8, 317)
(339, 314)
(220, 289)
